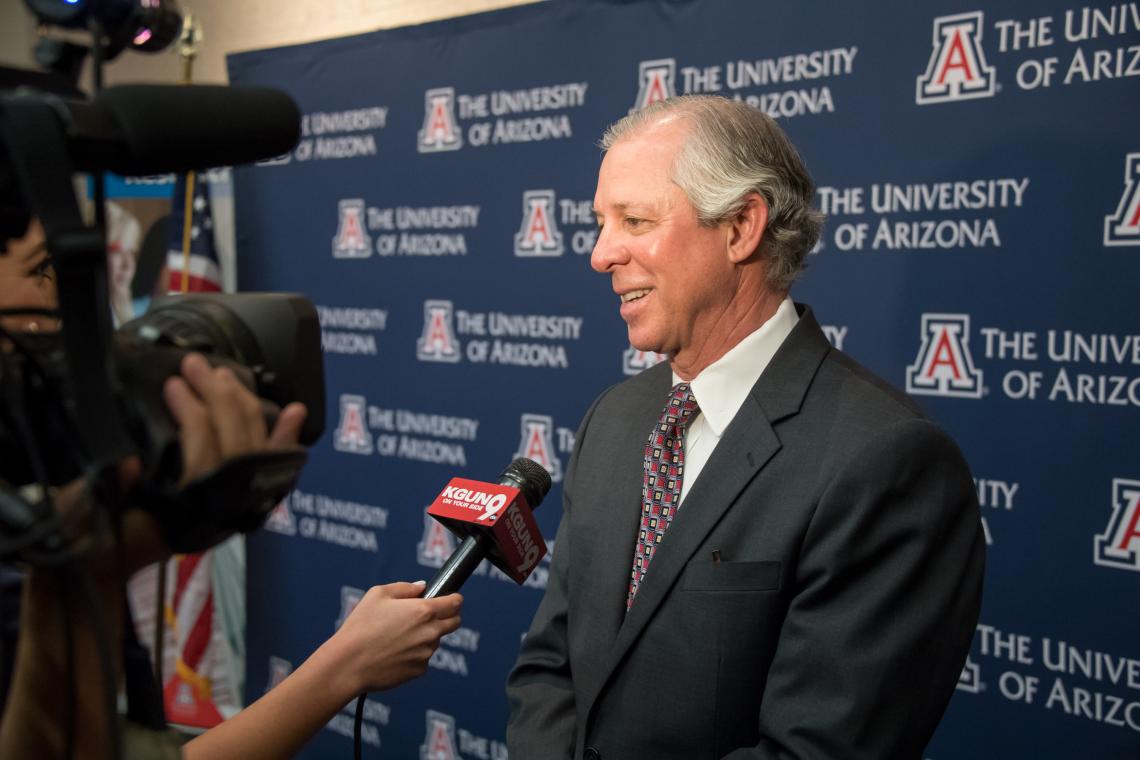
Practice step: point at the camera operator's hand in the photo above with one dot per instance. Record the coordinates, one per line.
(219, 418)
(386, 640)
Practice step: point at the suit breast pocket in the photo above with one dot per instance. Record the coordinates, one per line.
(730, 577)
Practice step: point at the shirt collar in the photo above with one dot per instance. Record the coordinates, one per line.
(720, 389)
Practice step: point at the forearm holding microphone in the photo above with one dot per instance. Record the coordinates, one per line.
(387, 640)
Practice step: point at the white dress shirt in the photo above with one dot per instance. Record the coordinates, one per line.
(721, 387)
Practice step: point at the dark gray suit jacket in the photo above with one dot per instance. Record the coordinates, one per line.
(838, 619)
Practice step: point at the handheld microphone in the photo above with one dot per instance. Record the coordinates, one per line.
(495, 521)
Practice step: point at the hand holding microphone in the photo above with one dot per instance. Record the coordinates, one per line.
(391, 634)
(495, 521)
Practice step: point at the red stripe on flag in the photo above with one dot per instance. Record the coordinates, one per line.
(196, 284)
(199, 637)
(186, 565)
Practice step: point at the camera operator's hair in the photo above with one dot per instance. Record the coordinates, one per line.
(733, 149)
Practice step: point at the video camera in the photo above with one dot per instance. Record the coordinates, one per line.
(75, 402)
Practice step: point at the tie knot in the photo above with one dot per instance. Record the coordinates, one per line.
(681, 407)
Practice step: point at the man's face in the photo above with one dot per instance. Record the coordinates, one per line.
(27, 279)
(674, 276)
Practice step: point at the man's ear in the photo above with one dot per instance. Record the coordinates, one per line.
(746, 229)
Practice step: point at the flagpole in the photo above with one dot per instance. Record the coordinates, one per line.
(188, 42)
(187, 219)
(188, 50)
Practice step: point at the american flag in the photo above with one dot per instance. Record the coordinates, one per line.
(192, 261)
(195, 269)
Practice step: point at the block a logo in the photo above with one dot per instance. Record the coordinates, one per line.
(538, 235)
(970, 679)
(957, 68)
(437, 343)
(279, 670)
(351, 241)
(634, 361)
(944, 366)
(352, 435)
(537, 443)
(437, 544)
(440, 130)
(655, 82)
(439, 739)
(349, 598)
(1119, 545)
(281, 519)
(1123, 227)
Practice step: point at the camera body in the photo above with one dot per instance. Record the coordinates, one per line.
(76, 402)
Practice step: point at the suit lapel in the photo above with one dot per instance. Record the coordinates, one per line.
(748, 443)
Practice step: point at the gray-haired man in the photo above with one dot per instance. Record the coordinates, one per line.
(791, 565)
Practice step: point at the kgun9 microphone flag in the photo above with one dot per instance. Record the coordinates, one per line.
(495, 521)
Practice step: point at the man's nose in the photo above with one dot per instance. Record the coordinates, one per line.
(608, 252)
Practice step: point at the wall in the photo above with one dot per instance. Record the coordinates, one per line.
(17, 35)
(233, 26)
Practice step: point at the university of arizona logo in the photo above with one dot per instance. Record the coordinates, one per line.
(351, 240)
(440, 130)
(352, 435)
(279, 670)
(437, 544)
(437, 343)
(957, 68)
(1119, 545)
(944, 366)
(538, 235)
(970, 679)
(537, 443)
(1123, 227)
(439, 740)
(349, 598)
(634, 361)
(281, 519)
(655, 82)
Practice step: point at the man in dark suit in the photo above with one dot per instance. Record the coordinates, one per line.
(803, 575)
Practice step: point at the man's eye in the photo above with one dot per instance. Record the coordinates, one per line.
(633, 221)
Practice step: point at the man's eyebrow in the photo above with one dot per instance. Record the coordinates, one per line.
(623, 206)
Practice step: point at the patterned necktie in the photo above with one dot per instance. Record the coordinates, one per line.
(661, 487)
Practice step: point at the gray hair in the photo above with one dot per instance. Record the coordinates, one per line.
(733, 150)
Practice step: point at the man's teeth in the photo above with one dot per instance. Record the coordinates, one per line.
(633, 295)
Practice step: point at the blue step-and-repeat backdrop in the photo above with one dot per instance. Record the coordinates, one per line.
(979, 164)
